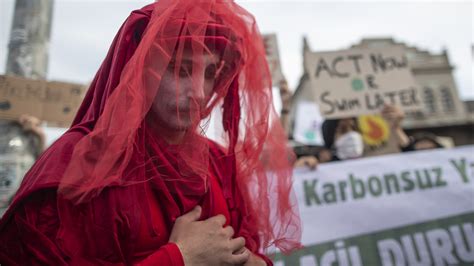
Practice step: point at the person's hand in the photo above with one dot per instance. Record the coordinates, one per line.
(207, 242)
(254, 260)
(29, 123)
(394, 115)
(33, 124)
(309, 161)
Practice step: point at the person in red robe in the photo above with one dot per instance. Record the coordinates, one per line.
(136, 181)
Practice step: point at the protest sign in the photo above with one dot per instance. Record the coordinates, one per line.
(354, 82)
(273, 58)
(377, 135)
(20, 96)
(308, 123)
(53, 102)
(406, 209)
(61, 102)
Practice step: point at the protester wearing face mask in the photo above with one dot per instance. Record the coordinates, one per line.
(343, 138)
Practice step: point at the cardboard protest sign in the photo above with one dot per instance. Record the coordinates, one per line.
(406, 209)
(53, 102)
(20, 96)
(61, 102)
(354, 82)
(273, 57)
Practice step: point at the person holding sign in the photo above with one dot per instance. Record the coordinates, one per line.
(135, 180)
(394, 115)
(344, 138)
(32, 124)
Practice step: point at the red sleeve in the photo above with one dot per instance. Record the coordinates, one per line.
(168, 254)
(28, 237)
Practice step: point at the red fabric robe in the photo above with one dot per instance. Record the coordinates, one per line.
(41, 228)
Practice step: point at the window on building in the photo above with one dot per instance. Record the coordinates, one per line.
(447, 100)
(429, 99)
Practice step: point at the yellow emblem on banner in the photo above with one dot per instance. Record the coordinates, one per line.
(374, 129)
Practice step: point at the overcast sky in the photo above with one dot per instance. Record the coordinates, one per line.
(83, 30)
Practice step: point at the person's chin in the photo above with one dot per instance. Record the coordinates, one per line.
(180, 126)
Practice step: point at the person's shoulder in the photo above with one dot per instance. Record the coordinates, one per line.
(64, 145)
(69, 137)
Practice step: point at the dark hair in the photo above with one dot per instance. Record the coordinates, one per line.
(420, 136)
(328, 129)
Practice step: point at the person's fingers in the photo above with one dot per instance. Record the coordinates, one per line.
(390, 109)
(191, 216)
(240, 251)
(21, 119)
(29, 122)
(240, 258)
(311, 163)
(387, 111)
(390, 114)
(34, 121)
(308, 161)
(218, 220)
(237, 243)
(229, 231)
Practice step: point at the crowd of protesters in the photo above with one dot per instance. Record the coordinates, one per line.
(343, 138)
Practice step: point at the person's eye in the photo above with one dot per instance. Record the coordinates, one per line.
(183, 72)
(210, 72)
(224, 71)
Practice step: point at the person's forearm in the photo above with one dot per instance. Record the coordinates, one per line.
(42, 141)
(285, 120)
(402, 139)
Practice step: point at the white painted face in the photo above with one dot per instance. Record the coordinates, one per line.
(184, 91)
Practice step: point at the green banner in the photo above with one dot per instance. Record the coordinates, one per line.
(448, 241)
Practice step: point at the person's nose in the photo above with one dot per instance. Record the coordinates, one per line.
(195, 91)
(196, 88)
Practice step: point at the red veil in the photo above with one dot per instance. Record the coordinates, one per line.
(115, 141)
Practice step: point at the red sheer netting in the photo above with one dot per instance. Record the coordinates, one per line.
(147, 113)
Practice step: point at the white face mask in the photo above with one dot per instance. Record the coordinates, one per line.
(349, 145)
